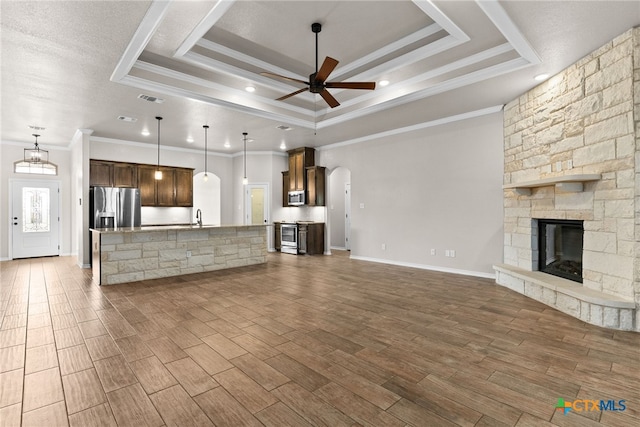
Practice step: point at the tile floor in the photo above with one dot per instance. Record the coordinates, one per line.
(299, 341)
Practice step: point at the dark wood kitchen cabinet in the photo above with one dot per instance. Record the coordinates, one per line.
(285, 189)
(311, 238)
(174, 189)
(184, 187)
(277, 237)
(299, 160)
(125, 175)
(100, 173)
(147, 185)
(103, 173)
(166, 188)
(315, 186)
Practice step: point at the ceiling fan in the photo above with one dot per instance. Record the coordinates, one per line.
(317, 81)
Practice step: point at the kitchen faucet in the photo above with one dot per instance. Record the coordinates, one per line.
(199, 217)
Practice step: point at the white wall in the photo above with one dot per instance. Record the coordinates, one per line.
(439, 188)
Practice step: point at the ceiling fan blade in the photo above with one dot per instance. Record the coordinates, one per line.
(278, 76)
(292, 94)
(351, 85)
(333, 103)
(327, 67)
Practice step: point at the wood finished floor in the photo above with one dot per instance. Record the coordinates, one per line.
(300, 341)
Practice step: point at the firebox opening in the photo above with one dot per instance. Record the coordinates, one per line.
(560, 243)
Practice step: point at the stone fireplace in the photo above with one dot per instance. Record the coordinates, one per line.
(570, 150)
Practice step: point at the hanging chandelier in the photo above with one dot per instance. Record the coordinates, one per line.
(206, 128)
(158, 174)
(36, 154)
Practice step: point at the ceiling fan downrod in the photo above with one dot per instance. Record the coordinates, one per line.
(316, 28)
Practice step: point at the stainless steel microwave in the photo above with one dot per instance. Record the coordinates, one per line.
(296, 198)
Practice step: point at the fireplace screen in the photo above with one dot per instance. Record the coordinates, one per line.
(560, 243)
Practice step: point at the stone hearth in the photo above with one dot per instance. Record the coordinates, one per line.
(570, 151)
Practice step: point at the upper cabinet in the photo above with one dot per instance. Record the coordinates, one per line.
(125, 175)
(299, 160)
(174, 189)
(103, 173)
(315, 185)
(100, 174)
(303, 175)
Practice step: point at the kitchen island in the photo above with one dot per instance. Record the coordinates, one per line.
(140, 253)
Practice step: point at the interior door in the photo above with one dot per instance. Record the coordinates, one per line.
(35, 220)
(257, 204)
(347, 216)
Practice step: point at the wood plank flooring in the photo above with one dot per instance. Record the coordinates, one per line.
(300, 341)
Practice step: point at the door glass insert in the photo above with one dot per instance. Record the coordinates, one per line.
(35, 210)
(257, 206)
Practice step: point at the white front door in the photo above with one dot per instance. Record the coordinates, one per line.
(35, 221)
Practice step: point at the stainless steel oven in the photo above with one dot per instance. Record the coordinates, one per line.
(289, 238)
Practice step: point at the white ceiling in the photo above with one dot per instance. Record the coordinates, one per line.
(69, 65)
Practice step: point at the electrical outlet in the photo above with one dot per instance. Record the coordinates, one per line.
(433, 251)
(361, 205)
(452, 253)
(384, 246)
(188, 254)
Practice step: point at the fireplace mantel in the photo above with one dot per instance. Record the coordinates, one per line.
(567, 183)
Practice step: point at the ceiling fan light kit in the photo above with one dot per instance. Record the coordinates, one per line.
(317, 81)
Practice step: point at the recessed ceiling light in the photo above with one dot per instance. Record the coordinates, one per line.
(541, 77)
(227, 145)
(383, 83)
(250, 140)
(283, 146)
(127, 119)
(145, 133)
(250, 89)
(189, 140)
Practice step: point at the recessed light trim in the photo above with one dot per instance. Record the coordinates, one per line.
(383, 83)
(250, 89)
(541, 77)
(145, 133)
(190, 140)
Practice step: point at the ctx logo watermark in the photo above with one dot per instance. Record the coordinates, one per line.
(587, 405)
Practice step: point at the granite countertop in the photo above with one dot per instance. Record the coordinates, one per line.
(169, 227)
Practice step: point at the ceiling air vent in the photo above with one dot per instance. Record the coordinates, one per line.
(38, 128)
(151, 98)
(127, 119)
(283, 127)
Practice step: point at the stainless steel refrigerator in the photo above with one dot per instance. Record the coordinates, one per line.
(112, 207)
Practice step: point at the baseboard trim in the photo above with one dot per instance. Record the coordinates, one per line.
(428, 267)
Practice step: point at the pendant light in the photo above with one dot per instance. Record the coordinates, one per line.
(206, 128)
(36, 155)
(245, 181)
(158, 174)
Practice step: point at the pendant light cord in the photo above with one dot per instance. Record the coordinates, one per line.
(206, 128)
(158, 119)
